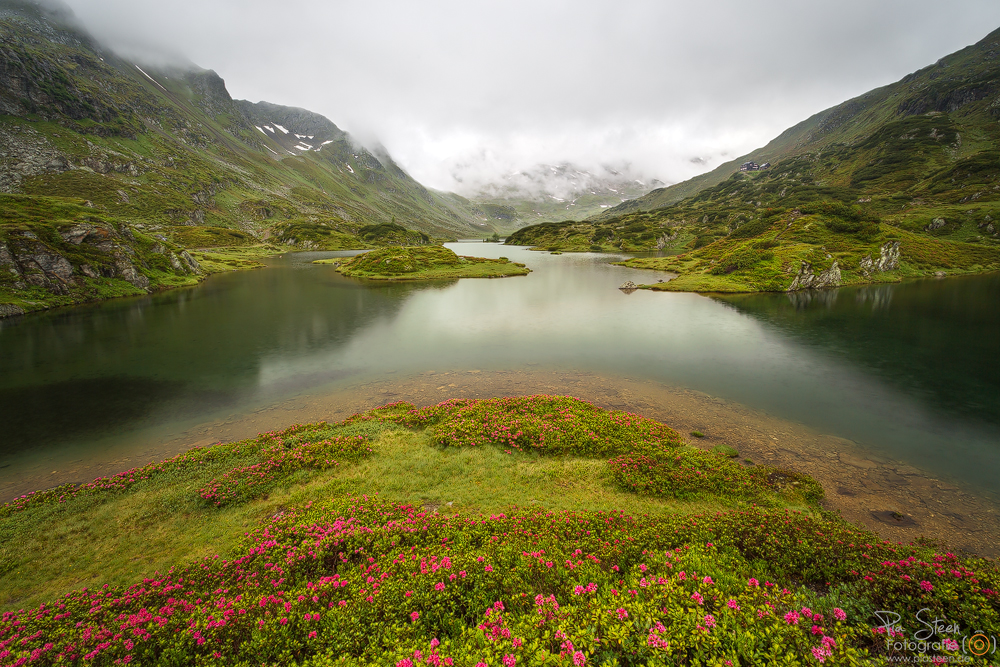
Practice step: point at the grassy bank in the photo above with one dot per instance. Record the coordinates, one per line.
(320, 545)
(423, 263)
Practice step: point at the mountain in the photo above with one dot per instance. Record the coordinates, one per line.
(164, 158)
(901, 181)
(557, 192)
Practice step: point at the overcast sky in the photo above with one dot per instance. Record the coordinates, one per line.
(461, 91)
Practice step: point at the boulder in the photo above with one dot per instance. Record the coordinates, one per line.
(125, 270)
(191, 262)
(936, 223)
(807, 279)
(10, 310)
(628, 284)
(888, 259)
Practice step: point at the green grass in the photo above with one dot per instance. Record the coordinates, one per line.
(158, 519)
(423, 263)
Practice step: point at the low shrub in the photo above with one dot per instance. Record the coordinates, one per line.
(548, 424)
(359, 581)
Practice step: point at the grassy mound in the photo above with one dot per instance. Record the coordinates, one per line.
(354, 579)
(424, 263)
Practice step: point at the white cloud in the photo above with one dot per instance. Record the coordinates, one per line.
(452, 87)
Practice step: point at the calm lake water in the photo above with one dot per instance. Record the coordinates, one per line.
(911, 371)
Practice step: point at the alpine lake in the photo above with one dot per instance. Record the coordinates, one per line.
(889, 395)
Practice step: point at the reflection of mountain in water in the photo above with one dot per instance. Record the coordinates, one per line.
(120, 365)
(936, 337)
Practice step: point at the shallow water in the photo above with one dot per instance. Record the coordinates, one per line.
(909, 371)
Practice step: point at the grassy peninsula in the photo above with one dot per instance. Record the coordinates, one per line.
(531, 530)
(423, 263)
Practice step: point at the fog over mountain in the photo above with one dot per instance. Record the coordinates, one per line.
(462, 94)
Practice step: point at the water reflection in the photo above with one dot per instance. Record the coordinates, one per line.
(932, 339)
(908, 369)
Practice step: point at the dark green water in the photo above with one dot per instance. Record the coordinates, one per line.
(909, 370)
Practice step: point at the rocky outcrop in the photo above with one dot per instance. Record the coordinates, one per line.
(10, 310)
(664, 240)
(807, 279)
(935, 224)
(888, 259)
(66, 262)
(184, 262)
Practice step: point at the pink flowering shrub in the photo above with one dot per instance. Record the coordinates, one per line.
(550, 424)
(244, 483)
(363, 581)
(252, 466)
(688, 472)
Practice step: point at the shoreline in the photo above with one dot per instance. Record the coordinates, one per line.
(249, 260)
(862, 486)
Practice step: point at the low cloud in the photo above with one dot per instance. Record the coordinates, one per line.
(461, 93)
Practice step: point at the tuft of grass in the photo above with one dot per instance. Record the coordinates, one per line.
(726, 450)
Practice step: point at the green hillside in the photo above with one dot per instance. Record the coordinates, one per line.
(168, 154)
(916, 163)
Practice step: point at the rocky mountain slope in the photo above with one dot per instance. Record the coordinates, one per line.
(166, 153)
(901, 181)
(547, 193)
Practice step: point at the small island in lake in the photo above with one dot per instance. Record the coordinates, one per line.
(423, 263)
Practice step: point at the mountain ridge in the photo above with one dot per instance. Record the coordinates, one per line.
(902, 181)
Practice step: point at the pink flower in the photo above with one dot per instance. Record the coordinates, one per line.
(405, 662)
(579, 659)
(415, 615)
(792, 618)
(622, 614)
(516, 642)
(732, 605)
(709, 620)
(435, 643)
(439, 586)
(312, 634)
(509, 660)
(489, 568)
(753, 582)
(839, 614)
(408, 593)
(816, 630)
(820, 653)
(831, 643)
(578, 590)
(707, 580)
(927, 586)
(807, 612)
(696, 596)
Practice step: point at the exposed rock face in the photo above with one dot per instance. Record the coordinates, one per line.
(191, 262)
(126, 270)
(628, 284)
(936, 223)
(10, 310)
(806, 279)
(185, 262)
(664, 240)
(888, 259)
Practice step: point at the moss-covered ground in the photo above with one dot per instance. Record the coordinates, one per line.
(423, 263)
(492, 531)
